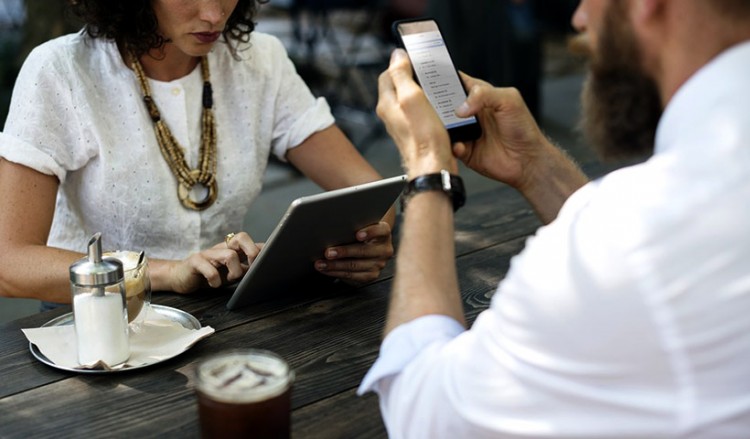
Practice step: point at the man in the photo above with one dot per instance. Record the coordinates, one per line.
(627, 314)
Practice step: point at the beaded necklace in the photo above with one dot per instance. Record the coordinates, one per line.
(173, 153)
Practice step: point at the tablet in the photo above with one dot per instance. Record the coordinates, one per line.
(310, 225)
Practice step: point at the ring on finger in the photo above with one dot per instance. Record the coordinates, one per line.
(229, 238)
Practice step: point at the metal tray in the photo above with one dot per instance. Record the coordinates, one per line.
(176, 315)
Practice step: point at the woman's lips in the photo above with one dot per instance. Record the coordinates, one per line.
(207, 37)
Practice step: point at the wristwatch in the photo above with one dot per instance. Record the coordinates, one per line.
(451, 185)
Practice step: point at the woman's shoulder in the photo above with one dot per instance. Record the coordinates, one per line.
(265, 40)
(61, 47)
(76, 51)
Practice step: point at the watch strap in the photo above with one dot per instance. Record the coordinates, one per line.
(443, 181)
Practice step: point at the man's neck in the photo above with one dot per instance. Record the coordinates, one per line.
(691, 41)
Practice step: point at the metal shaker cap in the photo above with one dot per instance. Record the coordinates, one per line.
(95, 271)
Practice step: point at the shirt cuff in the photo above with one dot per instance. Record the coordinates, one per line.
(405, 343)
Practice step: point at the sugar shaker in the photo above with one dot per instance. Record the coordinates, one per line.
(99, 311)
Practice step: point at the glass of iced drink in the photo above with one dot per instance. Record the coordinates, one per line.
(244, 393)
(137, 282)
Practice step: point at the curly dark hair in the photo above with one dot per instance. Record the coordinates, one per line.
(133, 22)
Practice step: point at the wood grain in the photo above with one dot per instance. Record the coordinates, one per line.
(329, 333)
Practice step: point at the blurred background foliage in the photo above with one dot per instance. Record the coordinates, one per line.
(24, 24)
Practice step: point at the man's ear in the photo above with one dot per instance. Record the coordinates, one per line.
(644, 11)
(648, 19)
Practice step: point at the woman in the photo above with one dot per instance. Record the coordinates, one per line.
(154, 126)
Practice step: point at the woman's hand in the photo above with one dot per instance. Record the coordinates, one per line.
(222, 264)
(362, 261)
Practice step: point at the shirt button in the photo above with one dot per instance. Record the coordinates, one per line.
(176, 91)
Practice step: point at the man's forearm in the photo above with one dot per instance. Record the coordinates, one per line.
(552, 180)
(426, 281)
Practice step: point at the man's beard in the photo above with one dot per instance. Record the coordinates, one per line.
(621, 103)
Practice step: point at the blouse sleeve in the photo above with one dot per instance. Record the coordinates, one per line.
(43, 130)
(298, 114)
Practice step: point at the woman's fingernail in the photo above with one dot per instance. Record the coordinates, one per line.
(332, 253)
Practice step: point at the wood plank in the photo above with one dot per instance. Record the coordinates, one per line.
(330, 344)
(351, 416)
(356, 417)
(102, 406)
(208, 306)
(19, 370)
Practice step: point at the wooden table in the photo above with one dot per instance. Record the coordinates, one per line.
(330, 337)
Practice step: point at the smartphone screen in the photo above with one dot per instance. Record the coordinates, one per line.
(437, 75)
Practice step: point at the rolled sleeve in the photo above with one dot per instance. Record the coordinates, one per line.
(314, 119)
(405, 343)
(22, 153)
(43, 130)
(297, 112)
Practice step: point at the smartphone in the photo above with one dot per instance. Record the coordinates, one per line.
(436, 74)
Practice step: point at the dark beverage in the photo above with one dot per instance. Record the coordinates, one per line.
(244, 394)
(263, 419)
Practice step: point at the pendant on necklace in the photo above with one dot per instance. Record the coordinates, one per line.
(197, 196)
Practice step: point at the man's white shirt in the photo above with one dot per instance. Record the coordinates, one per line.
(627, 316)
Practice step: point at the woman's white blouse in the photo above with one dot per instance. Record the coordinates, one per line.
(77, 113)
